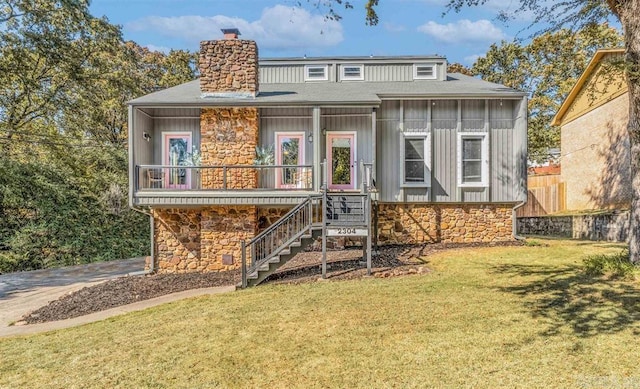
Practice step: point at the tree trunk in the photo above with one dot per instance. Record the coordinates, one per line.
(629, 13)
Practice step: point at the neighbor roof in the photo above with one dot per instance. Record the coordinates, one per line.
(575, 91)
(333, 93)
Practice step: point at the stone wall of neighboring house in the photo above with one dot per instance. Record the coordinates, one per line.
(229, 136)
(228, 66)
(612, 227)
(448, 223)
(595, 157)
(196, 239)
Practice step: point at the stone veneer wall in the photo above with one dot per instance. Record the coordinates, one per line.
(448, 223)
(228, 66)
(195, 239)
(229, 136)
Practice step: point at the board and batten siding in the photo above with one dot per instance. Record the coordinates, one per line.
(356, 120)
(142, 149)
(290, 74)
(274, 120)
(380, 72)
(174, 120)
(503, 120)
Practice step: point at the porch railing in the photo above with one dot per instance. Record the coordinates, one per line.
(224, 177)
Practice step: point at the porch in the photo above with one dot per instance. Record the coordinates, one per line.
(247, 156)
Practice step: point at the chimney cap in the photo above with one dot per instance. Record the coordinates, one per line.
(230, 33)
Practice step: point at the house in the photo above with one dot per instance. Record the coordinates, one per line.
(594, 139)
(401, 146)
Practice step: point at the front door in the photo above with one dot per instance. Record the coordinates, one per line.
(176, 147)
(341, 154)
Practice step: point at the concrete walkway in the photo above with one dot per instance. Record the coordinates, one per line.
(23, 292)
(140, 305)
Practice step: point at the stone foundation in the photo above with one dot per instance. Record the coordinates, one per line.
(196, 239)
(447, 223)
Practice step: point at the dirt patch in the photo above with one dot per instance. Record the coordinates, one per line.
(390, 261)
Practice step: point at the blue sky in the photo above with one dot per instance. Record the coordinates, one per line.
(281, 28)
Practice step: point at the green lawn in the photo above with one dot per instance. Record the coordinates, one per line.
(489, 317)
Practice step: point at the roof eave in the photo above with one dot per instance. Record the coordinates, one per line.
(564, 107)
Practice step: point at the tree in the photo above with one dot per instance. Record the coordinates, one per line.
(547, 68)
(65, 77)
(576, 15)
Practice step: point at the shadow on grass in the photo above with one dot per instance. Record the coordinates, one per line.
(570, 299)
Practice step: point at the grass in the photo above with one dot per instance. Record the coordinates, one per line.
(616, 265)
(524, 316)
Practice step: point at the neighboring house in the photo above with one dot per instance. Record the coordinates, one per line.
(443, 156)
(594, 139)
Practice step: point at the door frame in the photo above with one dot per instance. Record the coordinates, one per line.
(354, 154)
(165, 157)
(278, 156)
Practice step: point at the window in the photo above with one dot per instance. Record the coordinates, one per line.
(316, 73)
(424, 71)
(473, 159)
(416, 159)
(352, 72)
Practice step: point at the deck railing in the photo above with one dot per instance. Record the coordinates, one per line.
(224, 177)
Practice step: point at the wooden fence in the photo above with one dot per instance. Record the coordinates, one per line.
(546, 195)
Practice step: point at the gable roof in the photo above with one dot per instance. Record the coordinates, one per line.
(581, 86)
(332, 93)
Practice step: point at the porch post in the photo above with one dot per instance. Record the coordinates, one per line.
(317, 149)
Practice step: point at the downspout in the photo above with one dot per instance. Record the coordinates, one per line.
(152, 235)
(514, 222)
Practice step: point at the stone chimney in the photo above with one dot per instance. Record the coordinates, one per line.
(229, 67)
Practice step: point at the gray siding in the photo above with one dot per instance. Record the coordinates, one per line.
(444, 115)
(388, 72)
(174, 119)
(388, 144)
(290, 74)
(285, 120)
(357, 120)
(503, 120)
(373, 72)
(142, 150)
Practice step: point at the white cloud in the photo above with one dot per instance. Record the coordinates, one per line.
(471, 59)
(392, 27)
(463, 31)
(161, 49)
(279, 27)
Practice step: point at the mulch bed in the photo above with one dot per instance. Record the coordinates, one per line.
(391, 261)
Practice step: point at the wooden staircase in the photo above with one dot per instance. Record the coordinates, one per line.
(328, 214)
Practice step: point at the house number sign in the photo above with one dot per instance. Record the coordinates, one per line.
(346, 231)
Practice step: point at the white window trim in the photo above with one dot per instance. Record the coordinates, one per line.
(278, 155)
(432, 65)
(351, 78)
(306, 73)
(484, 182)
(427, 158)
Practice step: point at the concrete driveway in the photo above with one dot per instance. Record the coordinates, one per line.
(23, 292)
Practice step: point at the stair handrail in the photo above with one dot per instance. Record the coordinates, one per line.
(305, 213)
